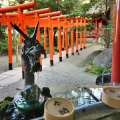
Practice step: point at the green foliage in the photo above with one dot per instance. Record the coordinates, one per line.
(42, 41)
(106, 35)
(89, 27)
(108, 27)
(15, 40)
(3, 46)
(2, 32)
(16, 2)
(20, 1)
(58, 5)
(4, 104)
(84, 11)
(97, 70)
(30, 31)
(69, 5)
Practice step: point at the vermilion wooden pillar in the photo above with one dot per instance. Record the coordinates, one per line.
(81, 35)
(20, 17)
(63, 38)
(38, 31)
(66, 38)
(115, 78)
(10, 46)
(52, 38)
(68, 41)
(76, 36)
(45, 45)
(84, 34)
(72, 39)
(59, 41)
(10, 67)
(50, 41)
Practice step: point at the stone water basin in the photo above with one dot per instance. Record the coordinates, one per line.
(88, 105)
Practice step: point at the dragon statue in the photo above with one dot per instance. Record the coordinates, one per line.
(30, 53)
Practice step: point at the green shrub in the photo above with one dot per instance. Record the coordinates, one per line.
(3, 46)
(97, 70)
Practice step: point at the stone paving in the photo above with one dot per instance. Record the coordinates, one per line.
(64, 75)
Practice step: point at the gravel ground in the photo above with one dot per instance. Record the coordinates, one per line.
(4, 63)
(66, 75)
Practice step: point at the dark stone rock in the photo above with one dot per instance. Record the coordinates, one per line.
(89, 58)
(31, 93)
(46, 92)
(84, 110)
(104, 59)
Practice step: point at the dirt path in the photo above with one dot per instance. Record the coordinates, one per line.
(4, 66)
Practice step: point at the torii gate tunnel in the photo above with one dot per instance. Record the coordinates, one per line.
(47, 19)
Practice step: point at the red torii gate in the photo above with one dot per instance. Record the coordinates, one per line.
(60, 21)
(19, 19)
(46, 20)
(38, 19)
(34, 16)
(50, 20)
(16, 18)
(4, 19)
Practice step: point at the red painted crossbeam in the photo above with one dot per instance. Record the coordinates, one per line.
(20, 6)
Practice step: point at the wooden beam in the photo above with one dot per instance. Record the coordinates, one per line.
(20, 6)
